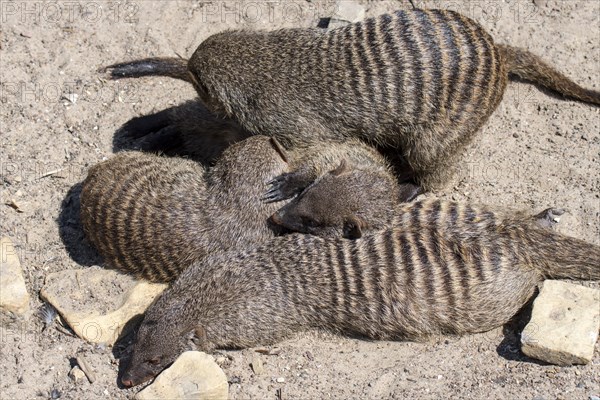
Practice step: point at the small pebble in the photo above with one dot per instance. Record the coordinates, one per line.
(77, 375)
(280, 380)
(257, 364)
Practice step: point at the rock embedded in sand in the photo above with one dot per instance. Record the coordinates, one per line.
(257, 364)
(346, 12)
(98, 303)
(564, 324)
(13, 293)
(194, 375)
(77, 375)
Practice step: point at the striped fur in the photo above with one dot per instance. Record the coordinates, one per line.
(443, 268)
(152, 216)
(419, 82)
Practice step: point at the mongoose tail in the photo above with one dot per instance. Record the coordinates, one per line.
(158, 66)
(531, 68)
(563, 257)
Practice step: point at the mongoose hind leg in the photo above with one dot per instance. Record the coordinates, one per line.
(433, 152)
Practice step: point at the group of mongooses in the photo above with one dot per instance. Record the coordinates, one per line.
(154, 216)
(306, 114)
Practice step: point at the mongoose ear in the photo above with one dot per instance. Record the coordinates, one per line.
(279, 148)
(197, 336)
(353, 227)
(342, 168)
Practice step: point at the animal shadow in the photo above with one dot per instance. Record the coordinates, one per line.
(188, 130)
(71, 230)
(510, 347)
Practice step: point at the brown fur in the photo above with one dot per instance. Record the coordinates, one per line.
(442, 268)
(420, 82)
(333, 206)
(153, 216)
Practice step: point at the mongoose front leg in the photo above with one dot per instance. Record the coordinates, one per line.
(288, 185)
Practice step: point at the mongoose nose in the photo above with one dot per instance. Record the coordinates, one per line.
(127, 382)
(276, 219)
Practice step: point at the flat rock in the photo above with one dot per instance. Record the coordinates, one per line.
(346, 12)
(257, 364)
(564, 324)
(194, 375)
(13, 293)
(98, 303)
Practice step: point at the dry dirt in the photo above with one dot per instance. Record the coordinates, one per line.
(536, 151)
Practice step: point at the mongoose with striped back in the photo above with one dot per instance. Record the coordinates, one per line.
(153, 216)
(332, 206)
(417, 83)
(442, 268)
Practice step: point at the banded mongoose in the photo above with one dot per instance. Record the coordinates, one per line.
(333, 206)
(443, 268)
(153, 216)
(418, 83)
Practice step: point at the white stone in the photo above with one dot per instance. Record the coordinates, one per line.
(77, 375)
(13, 293)
(194, 375)
(346, 12)
(97, 303)
(564, 324)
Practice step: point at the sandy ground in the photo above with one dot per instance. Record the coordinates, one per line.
(536, 151)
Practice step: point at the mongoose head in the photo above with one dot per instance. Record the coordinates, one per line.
(344, 202)
(158, 344)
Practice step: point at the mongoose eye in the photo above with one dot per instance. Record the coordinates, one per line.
(153, 361)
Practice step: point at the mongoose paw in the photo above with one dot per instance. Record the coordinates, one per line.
(284, 187)
(549, 218)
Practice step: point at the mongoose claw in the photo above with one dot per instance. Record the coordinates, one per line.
(549, 218)
(283, 187)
